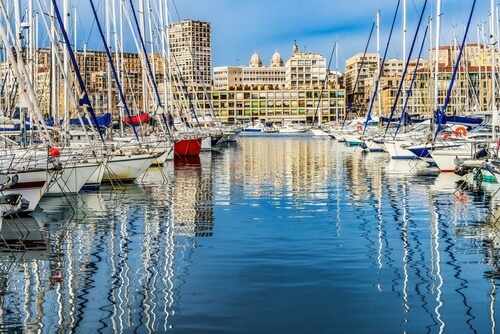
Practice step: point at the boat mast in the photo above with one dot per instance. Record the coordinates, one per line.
(54, 104)
(27, 92)
(107, 21)
(142, 29)
(379, 65)
(405, 90)
(66, 11)
(19, 60)
(436, 55)
(493, 70)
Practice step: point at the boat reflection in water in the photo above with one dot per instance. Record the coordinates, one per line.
(109, 252)
(29, 268)
(304, 235)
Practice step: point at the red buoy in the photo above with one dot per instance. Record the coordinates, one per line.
(54, 152)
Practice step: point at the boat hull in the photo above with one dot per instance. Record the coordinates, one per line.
(187, 147)
(31, 185)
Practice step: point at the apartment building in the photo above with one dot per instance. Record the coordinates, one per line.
(253, 74)
(305, 69)
(190, 53)
(301, 89)
(422, 91)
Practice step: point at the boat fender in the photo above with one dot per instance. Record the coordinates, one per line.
(446, 136)
(359, 128)
(460, 131)
(54, 152)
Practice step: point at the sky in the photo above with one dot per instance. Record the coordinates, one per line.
(336, 29)
(342, 27)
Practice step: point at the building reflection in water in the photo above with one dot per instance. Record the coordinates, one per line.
(118, 259)
(106, 255)
(193, 211)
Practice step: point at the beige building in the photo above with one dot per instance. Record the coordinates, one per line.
(471, 89)
(358, 70)
(190, 52)
(265, 103)
(301, 89)
(305, 69)
(254, 74)
(93, 67)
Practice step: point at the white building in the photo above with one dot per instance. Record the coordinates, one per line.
(253, 75)
(305, 69)
(301, 69)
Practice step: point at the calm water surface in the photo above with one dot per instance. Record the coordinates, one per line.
(269, 235)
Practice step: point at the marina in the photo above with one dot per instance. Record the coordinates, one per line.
(147, 188)
(281, 234)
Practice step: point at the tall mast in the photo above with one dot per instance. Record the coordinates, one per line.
(379, 65)
(54, 48)
(31, 39)
(493, 67)
(66, 11)
(107, 19)
(436, 60)
(20, 63)
(142, 29)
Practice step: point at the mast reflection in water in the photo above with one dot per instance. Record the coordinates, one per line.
(268, 235)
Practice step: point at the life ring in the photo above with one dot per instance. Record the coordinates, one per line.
(460, 131)
(359, 127)
(446, 136)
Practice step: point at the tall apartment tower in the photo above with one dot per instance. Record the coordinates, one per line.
(190, 53)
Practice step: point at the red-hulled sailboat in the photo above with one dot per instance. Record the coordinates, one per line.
(187, 147)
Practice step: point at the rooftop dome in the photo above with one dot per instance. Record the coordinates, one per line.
(255, 60)
(276, 61)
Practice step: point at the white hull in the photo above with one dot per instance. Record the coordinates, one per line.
(288, 130)
(31, 185)
(95, 180)
(320, 133)
(71, 178)
(352, 139)
(396, 149)
(206, 143)
(446, 159)
(124, 168)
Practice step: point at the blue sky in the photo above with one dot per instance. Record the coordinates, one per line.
(242, 27)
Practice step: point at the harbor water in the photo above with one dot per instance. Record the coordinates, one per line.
(266, 235)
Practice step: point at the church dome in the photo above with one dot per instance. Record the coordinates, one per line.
(255, 60)
(276, 61)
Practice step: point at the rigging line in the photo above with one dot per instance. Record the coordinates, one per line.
(85, 37)
(325, 82)
(63, 74)
(377, 82)
(113, 69)
(85, 100)
(403, 75)
(150, 71)
(176, 10)
(351, 96)
(453, 75)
